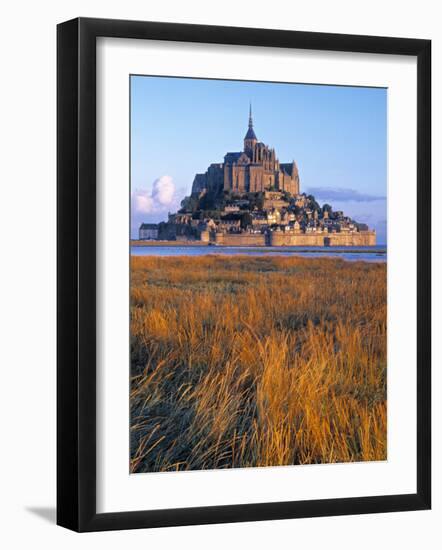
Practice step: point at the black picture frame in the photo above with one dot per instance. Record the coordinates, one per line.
(76, 274)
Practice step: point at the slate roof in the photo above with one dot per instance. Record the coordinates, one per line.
(287, 167)
(149, 226)
(251, 134)
(232, 157)
(231, 217)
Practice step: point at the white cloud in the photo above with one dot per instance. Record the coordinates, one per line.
(162, 196)
(142, 202)
(163, 190)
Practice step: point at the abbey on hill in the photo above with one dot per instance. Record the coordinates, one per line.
(255, 169)
(253, 199)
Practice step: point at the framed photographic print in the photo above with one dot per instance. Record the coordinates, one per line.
(243, 274)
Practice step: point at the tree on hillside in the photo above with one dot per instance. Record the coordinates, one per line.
(207, 202)
(313, 204)
(256, 200)
(189, 204)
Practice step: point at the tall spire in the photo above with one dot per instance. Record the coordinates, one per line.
(250, 138)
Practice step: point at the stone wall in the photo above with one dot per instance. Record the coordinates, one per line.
(205, 236)
(362, 238)
(295, 239)
(240, 239)
(276, 238)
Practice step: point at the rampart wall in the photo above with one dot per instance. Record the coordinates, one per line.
(240, 239)
(361, 238)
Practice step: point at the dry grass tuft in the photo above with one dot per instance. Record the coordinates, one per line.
(256, 361)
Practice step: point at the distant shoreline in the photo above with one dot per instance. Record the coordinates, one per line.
(318, 249)
(167, 243)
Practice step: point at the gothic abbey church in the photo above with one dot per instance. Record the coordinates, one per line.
(252, 170)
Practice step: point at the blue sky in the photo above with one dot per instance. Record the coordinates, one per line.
(337, 135)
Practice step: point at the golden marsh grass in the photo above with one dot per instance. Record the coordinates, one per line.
(256, 361)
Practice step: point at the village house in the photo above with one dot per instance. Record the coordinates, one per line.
(148, 231)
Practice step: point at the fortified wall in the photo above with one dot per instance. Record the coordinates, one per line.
(361, 238)
(241, 239)
(276, 238)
